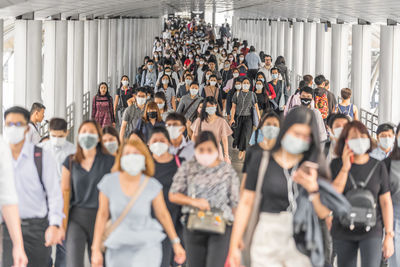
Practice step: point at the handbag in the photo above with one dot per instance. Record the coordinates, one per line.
(210, 221)
(255, 211)
(111, 226)
(255, 117)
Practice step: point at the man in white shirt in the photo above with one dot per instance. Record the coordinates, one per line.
(266, 68)
(36, 117)
(9, 205)
(385, 136)
(176, 126)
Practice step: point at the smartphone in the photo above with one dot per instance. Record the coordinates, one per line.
(307, 165)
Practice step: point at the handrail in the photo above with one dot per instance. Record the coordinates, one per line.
(70, 121)
(370, 120)
(86, 106)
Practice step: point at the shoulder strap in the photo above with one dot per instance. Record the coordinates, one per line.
(128, 207)
(177, 161)
(191, 104)
(38, 159)
(34, 125)
(363, 184)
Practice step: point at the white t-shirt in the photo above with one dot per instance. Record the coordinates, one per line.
(8, 193)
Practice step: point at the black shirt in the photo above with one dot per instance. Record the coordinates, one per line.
(124, 96)
(254, 151)
(84, 192)
(378, 185)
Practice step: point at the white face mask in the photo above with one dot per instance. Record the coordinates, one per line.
(211, 110)
(235, 75)
(201, 62)
(206, 159)
(386, 142)
(270, 132)
(259, 86)
(125, 83)
(165, 81)
(161, 106)
(174, 131)
(294, 145)
(111, 147)
(88, 141)
(141, 101)
(208, 76)
(359, 145)
(194, 91)
(158, 148)
(188, 81)
(133, 164)
(238, 86)
(213, 83)
(14, 134)
(246, 86)
(337, 132)
(57, 141)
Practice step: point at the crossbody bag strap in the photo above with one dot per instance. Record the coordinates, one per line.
(191, 104)
(128, 207)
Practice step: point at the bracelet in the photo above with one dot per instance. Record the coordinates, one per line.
(176, 240)
(329, 215)
(389, 233)
(312, 195)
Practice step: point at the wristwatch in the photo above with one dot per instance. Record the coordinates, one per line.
(176, 240)
(389, 233)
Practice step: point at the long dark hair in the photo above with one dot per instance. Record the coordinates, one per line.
(107, 93)
(280, 60)
(120, 81)
(395, 155)
(204, 114)
(360, 127)
(206, 136)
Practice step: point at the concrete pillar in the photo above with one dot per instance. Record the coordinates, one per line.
(389, 78)
(268, 39)
(280, 38)
(309, 48)
(323, 51)
(288, 44)
(27, 62)
(361, 66)
(125, 57)
(1, 71)
(120, 48)
(91, 57)
(339, 67)
(103, 52)
(55, 68)
(112, 58)
(297, 56)
(274, 39)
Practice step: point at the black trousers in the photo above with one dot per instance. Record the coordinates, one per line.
(347, 251)
(242, 132)
(251, 73)
(206, 250)
(33, 231)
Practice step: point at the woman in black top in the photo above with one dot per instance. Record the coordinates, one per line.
(272, 240)
(166, 166)
(393, 167)
(124, 93)
(353, 149)
(81, 173)
(151, 118)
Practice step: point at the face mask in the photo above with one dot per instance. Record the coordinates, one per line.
(227, 66)
(198, 51)
(262, 79)
(152, 114)
(201, 62)
(208, 76)
(193, 91)
(125, 83)
(386, 142)
(305, 101)
(337, 132)
(14, 134)
(206, 159)
(180, 53)
(133, 164)
(246, 86)
(211, 110)
(215, 50)
(155, 55)
(235, 75)
(168, 73)
(275, 76)
(167, 56)
(165, 81)
(359, 145)
(241, 58)
(150, 67)
(57, 141)
(174, 131)
(259, 86)
(213, 83)
(230, 59)
(190, 55)
(141, 101)
(161, 106)
(87, 141)
(188, 82)
(238, 86)
(158, 148)
(294, 145)
(111, 147)
(270, 132)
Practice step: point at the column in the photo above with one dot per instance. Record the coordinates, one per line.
(297, 56)
(27, 62)
(268, 39)
(103, 53)
(92, 56)
(55, 68)
(288, 44)
(78, 61)
(120, 49)
(125, 57)
(309, 48)
(389, 78)
(361, 66)
(280, 39)
(339, 62)
(112, 58)
(274, 39)
(323, 50)
(1, 71)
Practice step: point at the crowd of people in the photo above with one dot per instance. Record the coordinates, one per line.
(149, 180)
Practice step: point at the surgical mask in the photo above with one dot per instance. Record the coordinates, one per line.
(14, 134)
(57, 141)
(188, 81)
(238, 86)
(270, 132)
(201, 62)
(208, 76)
(190, 55)
(125, 83)
(141, 101)
(111, 147)
(206, 159)
(231, 59)
(211, 110)
(87, 141)
(174, 131)
(275, 76)
(150, 67)
(227, 66)
(213, 83)
(165, 81)
(152, 114)
(294, 145)
(337, 132)
(161, 106)
(133, 164)
(241, 58)
(194, 91)
(359, 145)
(235, 75)
(158, 148)
(386, 142)
(262, 79)
(305, 101)
(259, 86)
(246, 86)
(168, 73)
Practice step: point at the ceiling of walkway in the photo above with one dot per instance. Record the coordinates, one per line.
(348, 10)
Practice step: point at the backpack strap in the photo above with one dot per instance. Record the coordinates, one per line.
(363, 184)
(38, 159)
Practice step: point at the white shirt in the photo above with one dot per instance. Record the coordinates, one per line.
(8, 194)
(186, 150)
(33, 135)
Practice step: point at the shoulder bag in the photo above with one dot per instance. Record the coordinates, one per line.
(110, 227)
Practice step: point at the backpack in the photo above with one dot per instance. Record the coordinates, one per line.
(362, 214)
(321, 103)
(38, 160)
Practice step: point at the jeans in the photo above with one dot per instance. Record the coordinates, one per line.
(347, 252)
(60, 256)
(394, 261)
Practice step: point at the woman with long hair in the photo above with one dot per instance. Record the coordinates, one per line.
(123, 97)
(102, 107)
(151, 118)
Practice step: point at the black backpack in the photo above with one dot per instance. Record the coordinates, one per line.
(362, 215)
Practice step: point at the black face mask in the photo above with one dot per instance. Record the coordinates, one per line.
(152, 114)
(305, 101)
